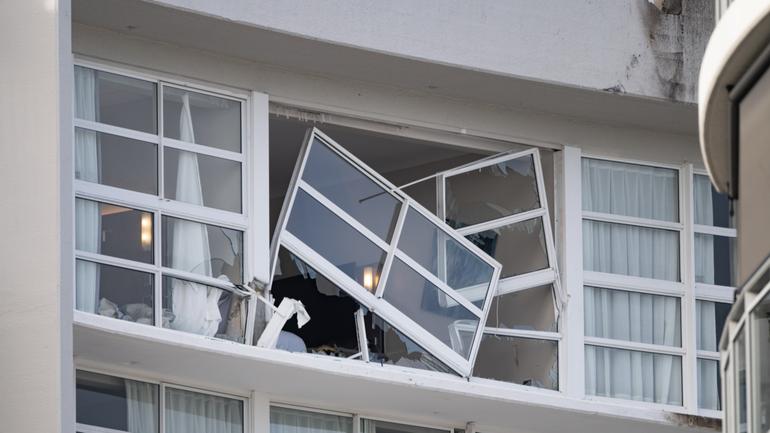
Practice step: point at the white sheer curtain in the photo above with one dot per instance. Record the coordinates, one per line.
(706, 334)
(284, 420)
(193, 412)
(87, 230)
(645, 192)
(195, 306)
(142, 405)
(704, 245)
(637, 317)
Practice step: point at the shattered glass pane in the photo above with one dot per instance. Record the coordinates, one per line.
(387, 345)
(531, 309)
(524, 361)
(519, 247)
(491, 192)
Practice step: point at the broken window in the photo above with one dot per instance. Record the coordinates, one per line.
(500, 205)
(386, 252)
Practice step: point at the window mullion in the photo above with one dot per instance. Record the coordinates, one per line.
(688, 316)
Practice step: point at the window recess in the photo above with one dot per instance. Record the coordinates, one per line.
(386, 252)
(161, 223)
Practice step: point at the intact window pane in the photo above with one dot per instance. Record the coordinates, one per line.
(630, 250)
(760, 320)
(202, 119)
(424, 303)
(631, 190)
(633, 316)
(632, 375)
(114, 292)
(201, 179)
(116, 161)
(711, 207)
(203, 249)
(519, 247)
(491, 192)
(444, 257)
(714, 259)
(115, 100)
(710, 320)
(204, 310)
(285, 420)
(372, 426)
(741, 396)
(336, 241)
(387, 345)
(530, 309)
(709, 384)
(188, 411)
(351, 190)
(113, 230)
(518, 360)
(116, 403)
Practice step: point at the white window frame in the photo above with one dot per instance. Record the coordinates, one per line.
(162, 385)
(678, 289)
(358, 416)
(375, 301)
(541, 277)
(704, 291)
(253, 157)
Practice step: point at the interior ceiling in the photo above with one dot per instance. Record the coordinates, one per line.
(239, 40)
(398, 159)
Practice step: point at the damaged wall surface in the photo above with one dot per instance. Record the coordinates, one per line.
(618, 46)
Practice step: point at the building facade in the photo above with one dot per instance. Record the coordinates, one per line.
(302, 217)
(732, 104)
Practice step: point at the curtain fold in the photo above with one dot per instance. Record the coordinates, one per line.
(195, 306)
(142, 407)
(193, 412)
(645, 192)
(284, 420)
(88, 227)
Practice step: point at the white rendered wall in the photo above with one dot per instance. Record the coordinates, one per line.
(623, 46)
(368, 101)
(36, 390)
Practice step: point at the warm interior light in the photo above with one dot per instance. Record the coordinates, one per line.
(370, 278)
(146, 231)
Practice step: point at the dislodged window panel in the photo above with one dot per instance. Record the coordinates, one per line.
(500, 205)
(358, 230)
(524, 361)
(387, 345)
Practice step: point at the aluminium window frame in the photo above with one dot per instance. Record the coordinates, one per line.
(679, 289)
(705, 291)
(375, 301)
(245, 399)
(159, 206)
(547, 276)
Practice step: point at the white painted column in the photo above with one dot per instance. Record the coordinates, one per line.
(35, 221)
(571, 240)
